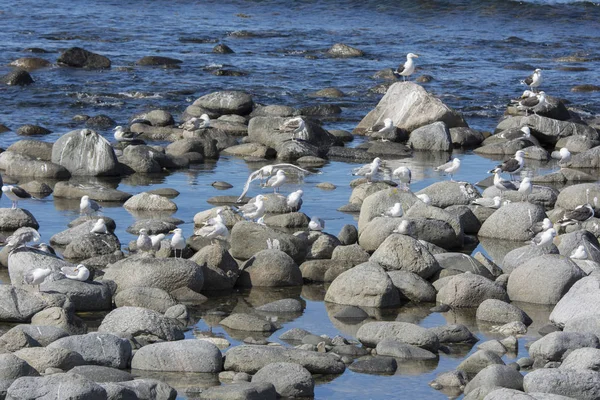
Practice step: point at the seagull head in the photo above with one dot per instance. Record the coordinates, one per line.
(85, 198)
(143, 231)
(300, 192)
(456, 161)
(176, 231)
(118, 128)
(537, 70)
(205, 117)
(564, 152)
(412, 55)
(520, 153)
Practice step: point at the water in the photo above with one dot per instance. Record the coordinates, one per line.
(476, 51)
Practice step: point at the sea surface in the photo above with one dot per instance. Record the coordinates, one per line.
(476, 52)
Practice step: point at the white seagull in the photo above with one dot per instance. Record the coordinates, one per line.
(394, 211)
(404, 176)
(487, 202)
(579, 253)
(22, 236)
(316, 224)
(276, 181)
(405, 228)
(297, 126)
(254, 210)
(512, 165)
(534, 80)
(369, 170)
(122, 135)
(502, 184)
(88, 206)
(266, 171)
(424, 198)
(408, 67)
(99, 227)
(15, 193)
(156, 239)
(450, 167)
(388, 129)
(526, 187)
(143, 242)
(37, 276)
(215, 231)
(294, 200)
(531, 103)
(79, 273)
(565, 156)
(545, 238)
(178, 241)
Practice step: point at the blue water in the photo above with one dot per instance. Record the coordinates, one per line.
(476, 52)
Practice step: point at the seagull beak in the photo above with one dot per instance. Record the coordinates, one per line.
(171, 231)
(527, 154)
(416, 56)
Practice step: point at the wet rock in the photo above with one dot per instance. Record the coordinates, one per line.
(412, 287)
(454, 334)
(248, 238)
(247, 322)
(469, 290)
(500, 312)
(549, 130)
(20, 165)
(374, 365)
(580, 302)
(397, 349)
(182, 356)
(543, 280)
(289, 379)
(151, 61)
(91, 245)
(100, 122)
(152, 226)
(95, 192)
(97, 349)
(157, 117)
(60, 318)
(463, 263)
(512, 222)
(149, 202)
(81, 58)
(240, 390)
(13, 219)
(466, 137)
(585, 88)
(226, 102)
(152, 298)
(84, 296)
(575, 384)
(343, 50)
(38, 189)
(371, 333)
(478, 361)
(143, 324)
(270, 268)
(100, 374)
(17, 77)
(32, 130)
(18, 305)
(250, 359)
(142, 389)
(496, 375)
(84, 152)
(450, 379)
(250, 150)
(222, 49)
(44, 335)
(219, 268)
(42, 358)
(282, 306)
(168, 274)
(366, 284)
(32, 148)
(435, 136)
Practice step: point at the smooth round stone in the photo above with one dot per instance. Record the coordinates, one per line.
(221, 185)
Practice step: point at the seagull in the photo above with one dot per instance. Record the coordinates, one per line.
(217, 218)
(178, 241)
(156, 239)
(276, 181)
(79, 273)
(45, 248)
(405, 228)
(510, 134)
(579, 253)
(403, 175)
(254, 210)
(450, 167)
(99, 227)
(122, 135)
(494, 202)
(214, 231)
(545, 238)
(88, 206)
(368, 170)
(528, 93)
(580, 214)
(394, 211)
(502, 184)
(408, 67)
(539, 227)
(297, 126)
(190, 125)
(526, 187)
(565, 156)
(22, 236)
(534, 80)
(204, 122)
(316, 224)
(37, 276)
(388, 128)
(512, 165)
(294, 200)
(15, 193)
(143, 243)
(424, 198)
(266, 172)
(531, 103)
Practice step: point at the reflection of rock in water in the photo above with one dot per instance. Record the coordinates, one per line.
(314, 292)
(183, 382)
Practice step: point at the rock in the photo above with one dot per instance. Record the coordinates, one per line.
(522, 255)
(18, 305)
(157, 118)
(289, 379)
(366, 285)
(543, 280)
(289, 220)
(555, 345)
(343, 50)
(226, 102)
(60, 318)
(272, 268)
(42, 358)
(247, 322)
(141, 323)
(250, 150)
(44, 335)
(462, 263)
(240, 390)
(448, 193)
(137, 159)
(149, 61)
(13, 219)
(432, 137)
(478, 361)
(182, 356)
(248, 238)
(329, 92)
(32, 148)
(454, 334)
(14, 367)
(410, 107)
(266, 131)
(584, 385)
(582, 359)
(500, 312)
(100, 374)
(571, 241)
(222, 49)
(95, 192)
(32, 130)
(97, 349)
(39, 189)
(80, 58)
(402, 252)
(20, 165)
(512, 222)
(14, 340)
(149, 202)
(574, 195)
(17, 77)
(55, 386)
(412, 287)
(152, 226)
(371, 333)
(91, 245)
(466, 137)
(374, 365)
(100, 122)
(582, 301)
(450, 379)
(83, 296)
(143, 389)
(352, 254)
(219, 268)
(469, 290)
(250, 359)
(84, 152)
(549, 130)
(397, 349)
(282, 306)
(496, 375)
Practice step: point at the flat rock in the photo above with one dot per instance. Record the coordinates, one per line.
(141, 323)
(181, 356)
(371, 333)
(98, 348)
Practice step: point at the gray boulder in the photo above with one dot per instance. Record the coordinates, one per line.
(153, 298)
(549, 130)
(571, 241)
(376, 232)
(64, 238)
(404, 351)
(478, 361)
(248, 238)
(250, 359)
(366, 285)
(543, 280)
(289, 379)
(582, 359)
(18, 77)
(522, 255)
(44, 335)
(575, 195)
(226, 102)
(555, 345)
(402, 252)
(100, 374)
(580, 302)
(454, 333)
(142, 389)
(512, 222)
(13, 219)
(247, 322)
(466, 137)
(449, 193)
(343, 50)
(18, 305)
(76, 57)
(412, 286)
(371, 333)
(270, 268)
(42, 358)
(91, 245)
(84, 296)
(149, 202)
(14, 367)
(56, 386)
(500, 312)
(182, 356)
(67, 190)
(469, 290)
(496, 375)
(85, 152)
(219, 268)
(240, 390)
(59, 317)
(577, 384)
(432, 137)
(97, 348)
(375, 204)
(141, 323)
(463, 263)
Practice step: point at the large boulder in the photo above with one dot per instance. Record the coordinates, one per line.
(500, 312)
(582, 359)
(56, 386)
(575, 384)
(271, 268)
(32, 148)
(266, 131)
(143, 324)
(469, 290)
(85, 152)
(153, 298)
(248, 238)
(17, 77)
(15, 164)
(18, 305)
(412, 286)
(410, 107)
(14, 367)
(555, 345)
(543, 280)
(575, 195)
(371, 333)
(289, 379)
(219, 268)
(12, 219)
(379, 202)
(84, 296)
(240, 390)
(521, 255)
(401, 252)
(44, 335)
(432, 137)
(62, 318)
(42, 358)
(68, 190)
(226, 102)
(549, 130)
(150, 202)
(449, 193)
(91, 245)
(512, 221)
(168, 274)
(365, 285)
(182, 356)
(80, 58)
(97, 348)
(580, 302)
(496, 375)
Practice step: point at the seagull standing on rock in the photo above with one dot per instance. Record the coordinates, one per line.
(178, 242)
(407, 68)
(534, 80)
(450, 167)
(526, 187)
(531, 103)
(404, 175)
(214, 231)
(15, 193)
(143, 243)
(276, 181)
(369, 170)
(294, 200)
(494, 202)
(512, 165)
(254, 210)
(545, 238)
(37, 276)
(502, 184)
(99, 227)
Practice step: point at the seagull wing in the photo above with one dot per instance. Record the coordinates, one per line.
(253, 176)
(19, 192)
(290, 167)
(444, 166)
(510, 165)
(529, 80)
(529, 102)
(68, 271)
(400, 69)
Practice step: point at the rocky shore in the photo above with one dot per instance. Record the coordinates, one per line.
(142, 344)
